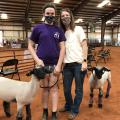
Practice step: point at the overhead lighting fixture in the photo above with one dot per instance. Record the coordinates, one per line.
(79, 20)
(105, 2)
(109, 22)
(57, 1)
(4, 16)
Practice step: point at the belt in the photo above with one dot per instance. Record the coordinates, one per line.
(71, 64)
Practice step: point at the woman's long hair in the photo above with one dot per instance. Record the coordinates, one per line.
(72, 24)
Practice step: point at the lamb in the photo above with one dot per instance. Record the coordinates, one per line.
(22, 92)
(98, 77)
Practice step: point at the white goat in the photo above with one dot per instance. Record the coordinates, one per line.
(98, 77)
(22, 92)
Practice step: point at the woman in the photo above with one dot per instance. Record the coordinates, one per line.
(50, 51)
(75, 62)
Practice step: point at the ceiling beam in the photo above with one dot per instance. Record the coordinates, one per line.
(13, 20)
(12, 4)
(2, 8)
(27, 10)
(111, 15)
(27, 24)
(15, 1)
(81, 4)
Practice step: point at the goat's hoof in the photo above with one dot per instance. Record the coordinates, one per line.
(90, 105)
(28, 118)
(18, 118)
(106, 96)
(8, 114)
(99, 105)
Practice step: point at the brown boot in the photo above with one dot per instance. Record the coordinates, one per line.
(64, 110)
(72, 116)
(54, 116)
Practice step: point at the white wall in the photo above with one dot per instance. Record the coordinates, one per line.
(15, 31)
(1, 39)
(12, 31)
(97, 34)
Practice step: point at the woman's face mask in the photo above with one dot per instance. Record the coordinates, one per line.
(66, 21)
(49, 15)
(49, 19)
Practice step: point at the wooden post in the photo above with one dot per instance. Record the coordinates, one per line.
(87, 30)
(112, 34)
(117, 31)
(103, 25)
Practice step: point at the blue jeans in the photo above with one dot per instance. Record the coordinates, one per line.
(72, 71)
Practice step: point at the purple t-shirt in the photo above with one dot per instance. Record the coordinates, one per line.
(48, 38)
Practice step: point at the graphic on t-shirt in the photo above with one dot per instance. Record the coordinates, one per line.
(56, 35)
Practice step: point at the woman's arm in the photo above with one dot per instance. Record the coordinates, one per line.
(85, 48)
(85, 53)
(31, 48)
(61, 57)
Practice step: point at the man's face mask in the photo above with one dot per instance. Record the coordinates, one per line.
(50, 19)
(66, 21)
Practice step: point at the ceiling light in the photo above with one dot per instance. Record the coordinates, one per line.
(109, 22)
(109, 3)
(105, 2)
(79, 20)
(4, 16)
(57, 1)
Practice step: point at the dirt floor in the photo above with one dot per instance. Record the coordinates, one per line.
(111, 106)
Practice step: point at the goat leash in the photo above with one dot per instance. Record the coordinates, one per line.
(49, 83)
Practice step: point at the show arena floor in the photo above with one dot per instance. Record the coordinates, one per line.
(111, 106)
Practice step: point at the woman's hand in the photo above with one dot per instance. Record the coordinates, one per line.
(84, 66)
(57, 70)
(40, 63)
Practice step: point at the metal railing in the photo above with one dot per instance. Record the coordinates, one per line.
(25, 59)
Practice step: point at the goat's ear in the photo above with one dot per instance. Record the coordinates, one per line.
(91, 69)
(29, 73)
(95, 69)
(104, 68)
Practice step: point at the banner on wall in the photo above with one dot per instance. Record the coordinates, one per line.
(1, 39)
